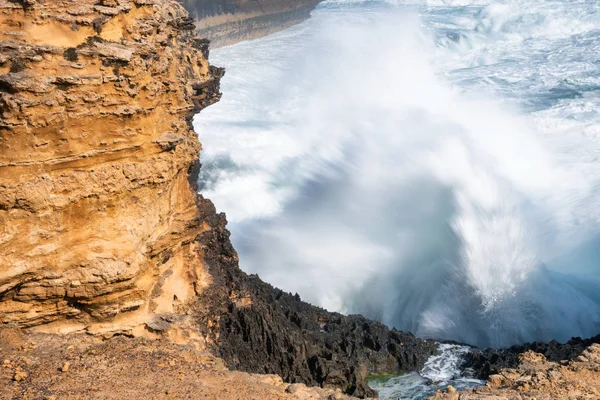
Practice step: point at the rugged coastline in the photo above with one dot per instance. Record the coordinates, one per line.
(553, 371)
(105, 241)
(483, 363)
(255, 327)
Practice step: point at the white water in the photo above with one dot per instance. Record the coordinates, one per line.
(439, 372)
(433, 165)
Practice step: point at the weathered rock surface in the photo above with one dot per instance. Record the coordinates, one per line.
(257, 328)
(483, 363)
(225, 22)
(535, 377)
(33, 367)
(97, 217)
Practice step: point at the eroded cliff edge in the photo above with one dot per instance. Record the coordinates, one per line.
(97, 217)
(101, 229)
(225, 22)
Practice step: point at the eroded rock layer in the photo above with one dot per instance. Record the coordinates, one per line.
(97, 216)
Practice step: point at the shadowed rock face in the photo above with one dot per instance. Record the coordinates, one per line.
(226, 22)
(255, 327)
(97, 217)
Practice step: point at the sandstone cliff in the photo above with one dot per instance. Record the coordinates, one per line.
(226, 22)
(97, 217)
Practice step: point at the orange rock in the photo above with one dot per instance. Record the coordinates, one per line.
(97, 215)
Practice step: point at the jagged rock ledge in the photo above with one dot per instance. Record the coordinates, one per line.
(257, 328)
(483, 363)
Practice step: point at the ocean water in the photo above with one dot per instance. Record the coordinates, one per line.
(430, 164)
(439, 372)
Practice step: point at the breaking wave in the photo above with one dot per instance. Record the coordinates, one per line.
(433, 165)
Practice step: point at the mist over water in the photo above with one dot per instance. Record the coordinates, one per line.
(432, 165)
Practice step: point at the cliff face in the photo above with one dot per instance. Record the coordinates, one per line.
(97, 217)
(226, 22)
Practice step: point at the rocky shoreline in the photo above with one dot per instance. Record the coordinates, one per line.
(483, 363)
(107, 249)
(533, 375)
(257, 328)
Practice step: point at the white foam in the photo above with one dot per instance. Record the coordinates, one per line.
(440, 370)
(446, 365)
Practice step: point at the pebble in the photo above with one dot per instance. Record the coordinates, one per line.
(20, 376)
(65, 367)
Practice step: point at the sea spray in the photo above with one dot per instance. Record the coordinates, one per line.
(374, 161)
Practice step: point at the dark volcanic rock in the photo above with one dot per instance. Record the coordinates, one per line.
(255, 327)
(490, 361)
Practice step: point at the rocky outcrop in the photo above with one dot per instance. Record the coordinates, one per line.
(483, 363)
(535, 377)
(226, 22)
(257, 328)
(97, 218)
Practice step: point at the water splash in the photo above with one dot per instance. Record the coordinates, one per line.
(439, 371)
(365, 161)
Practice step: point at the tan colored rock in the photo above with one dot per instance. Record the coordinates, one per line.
(495, 381)
(125, 368)
(20, 376)
(98, 219)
